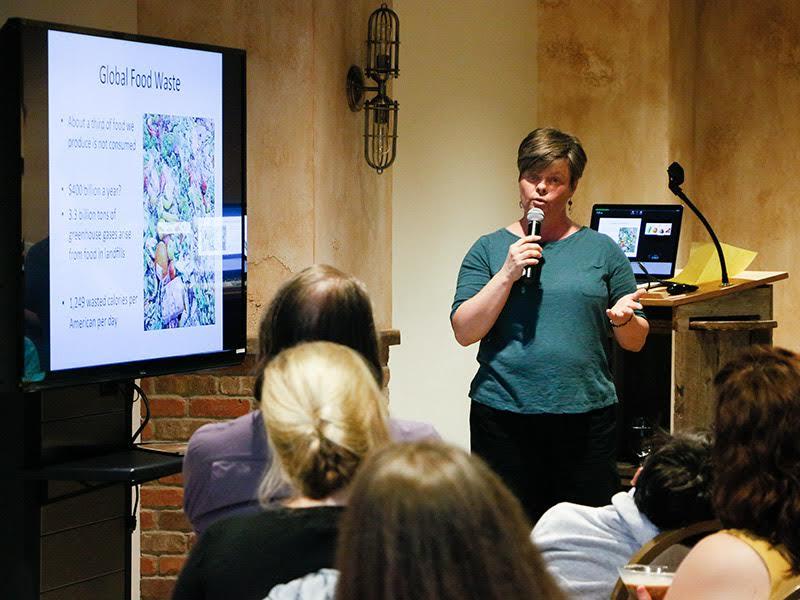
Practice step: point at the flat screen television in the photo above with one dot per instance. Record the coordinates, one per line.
(124, 234)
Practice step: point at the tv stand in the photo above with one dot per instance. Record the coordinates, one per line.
(131, 465)
(68, 509)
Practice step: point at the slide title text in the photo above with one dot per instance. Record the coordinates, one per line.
(130, 77)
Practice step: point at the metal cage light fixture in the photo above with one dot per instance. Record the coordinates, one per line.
(380, 112)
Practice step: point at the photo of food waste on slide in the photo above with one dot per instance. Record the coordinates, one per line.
(179, 283)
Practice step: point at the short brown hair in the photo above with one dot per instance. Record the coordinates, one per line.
(757, 449)
(427, 521)
(319, 303)
(544, 145)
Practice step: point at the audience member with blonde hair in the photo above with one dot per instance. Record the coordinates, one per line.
(323, 412)
(756, 490)
(225, 462)
(427, 521)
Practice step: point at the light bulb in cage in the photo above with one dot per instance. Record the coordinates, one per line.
(380, 127)
(383, 44)
(380, 112)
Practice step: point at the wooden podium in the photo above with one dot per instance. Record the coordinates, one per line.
(691, 337)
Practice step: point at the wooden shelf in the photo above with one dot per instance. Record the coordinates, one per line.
(742, 325)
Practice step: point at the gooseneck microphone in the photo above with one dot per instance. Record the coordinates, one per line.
(676, 178)
(531, 273)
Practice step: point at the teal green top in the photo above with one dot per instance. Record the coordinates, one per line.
(547, 351)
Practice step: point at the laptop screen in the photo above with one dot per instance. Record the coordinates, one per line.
(647, 233)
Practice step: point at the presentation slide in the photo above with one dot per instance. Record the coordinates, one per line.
(136, 225)
(623, 231)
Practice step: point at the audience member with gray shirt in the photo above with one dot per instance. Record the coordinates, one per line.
(583, 545)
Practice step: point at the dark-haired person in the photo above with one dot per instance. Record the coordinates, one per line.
(324, 413)
(756, 489)
(224, 462)
(543, 411)
(427, 521)
(583, 546)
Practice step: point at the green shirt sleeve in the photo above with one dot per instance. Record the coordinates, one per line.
(621, 278)
(474, 274)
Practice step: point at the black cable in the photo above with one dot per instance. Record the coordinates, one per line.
(673, 287)
(132, 518)
(146, 402)
(650, 278)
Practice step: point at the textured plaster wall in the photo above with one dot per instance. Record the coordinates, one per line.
(311, 196)
(604, 76)
(681, 96)
(748, 137)
(119, 15)
(714, 84)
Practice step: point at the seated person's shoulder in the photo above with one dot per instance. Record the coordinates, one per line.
(411, 431)
(222, 469)
(556, 516)
(721, 566)
(218, 440)
(565, 516)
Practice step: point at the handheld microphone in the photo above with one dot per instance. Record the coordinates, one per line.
(531, 273)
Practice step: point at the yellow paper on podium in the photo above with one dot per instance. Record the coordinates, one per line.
(703, 264)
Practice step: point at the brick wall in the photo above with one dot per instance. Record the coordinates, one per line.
(179, 404)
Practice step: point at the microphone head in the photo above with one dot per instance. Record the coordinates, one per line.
(535, 214)
(675, 173)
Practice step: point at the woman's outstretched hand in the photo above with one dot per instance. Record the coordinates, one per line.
(622, 311)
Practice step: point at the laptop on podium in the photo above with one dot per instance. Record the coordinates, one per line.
(648, 234)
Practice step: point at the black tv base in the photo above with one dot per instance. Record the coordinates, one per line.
(132, 465)
(66, 496)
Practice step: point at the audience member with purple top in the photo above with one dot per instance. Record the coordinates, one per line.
(225, 462)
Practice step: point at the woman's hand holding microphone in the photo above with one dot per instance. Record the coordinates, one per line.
(523, 253)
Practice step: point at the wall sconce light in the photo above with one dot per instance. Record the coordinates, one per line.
(380, 112)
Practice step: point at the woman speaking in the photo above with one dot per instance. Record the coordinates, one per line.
(543, 411)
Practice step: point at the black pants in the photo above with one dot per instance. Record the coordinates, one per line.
(549, 458)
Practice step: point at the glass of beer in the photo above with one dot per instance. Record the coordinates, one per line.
(656, 579)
